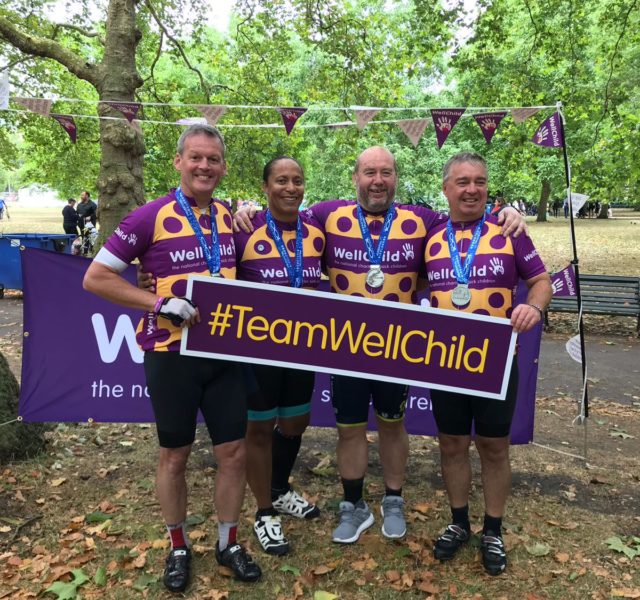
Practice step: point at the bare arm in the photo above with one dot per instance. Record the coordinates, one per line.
(526, 316)
(110, 285)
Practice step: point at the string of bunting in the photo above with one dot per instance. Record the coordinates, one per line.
(443, 119)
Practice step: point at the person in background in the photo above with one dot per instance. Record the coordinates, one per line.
(87, 209)
(70, 218)
(4, 209)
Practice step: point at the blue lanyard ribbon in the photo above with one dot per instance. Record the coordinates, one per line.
(375, 253)
(295, 274)
(210, 253)
(461, 271)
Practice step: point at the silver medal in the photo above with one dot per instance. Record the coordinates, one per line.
(375, 277)
(461, 295)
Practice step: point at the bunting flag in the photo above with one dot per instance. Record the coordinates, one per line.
(549, 133)
(520, 115)
(211, 113)
(577, 202)
(68, 124)
(563, 282)
(489, 123)
(444, 120)
(4, 90)
(128, 109)
(290, 116)
(413, 129)
(363, 116)
(40, 106)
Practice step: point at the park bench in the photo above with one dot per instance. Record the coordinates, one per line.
(602, 295)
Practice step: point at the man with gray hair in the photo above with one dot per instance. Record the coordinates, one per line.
(165, 235)
(480, 269)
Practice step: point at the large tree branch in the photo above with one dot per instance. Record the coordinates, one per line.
(36, 46)
(176, 43)
(79, 30)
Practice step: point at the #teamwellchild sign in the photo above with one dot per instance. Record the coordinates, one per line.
(325, 332)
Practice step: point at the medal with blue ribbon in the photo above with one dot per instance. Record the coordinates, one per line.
(375, 276)
(295, 273)
(461, 294)
(211, 253)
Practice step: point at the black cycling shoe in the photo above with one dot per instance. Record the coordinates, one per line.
(236, 558)
(494, 555)
(451, 540)
(176, 570)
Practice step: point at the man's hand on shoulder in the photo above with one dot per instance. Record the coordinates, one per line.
(512, 222)
(242, 219)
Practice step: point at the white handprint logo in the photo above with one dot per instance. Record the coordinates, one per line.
(133, 239)
(542, 135)
(557, 285)
(488, 124)
(444, 124)
(407, 251)
(496, 266)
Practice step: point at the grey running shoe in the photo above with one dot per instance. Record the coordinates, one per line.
(393, 524)
(354, 519)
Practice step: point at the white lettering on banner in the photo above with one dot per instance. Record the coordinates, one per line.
(109, 348)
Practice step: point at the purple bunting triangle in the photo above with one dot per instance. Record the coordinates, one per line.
(489, 123)
(68, 124)
(549, 133)
(290, 115)
(563, 283)
(128, 109)
(444, 120)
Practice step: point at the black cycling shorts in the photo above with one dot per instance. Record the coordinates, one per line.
(180, 385)
(454, 412)
(281, 392)
(350, 397)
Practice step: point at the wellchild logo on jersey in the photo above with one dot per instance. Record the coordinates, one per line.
(180, 256)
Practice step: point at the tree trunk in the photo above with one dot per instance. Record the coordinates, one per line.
(120, 181)
(17, 440)
(545, 192)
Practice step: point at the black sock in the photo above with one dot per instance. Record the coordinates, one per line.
(460, 517)
(284, 451)
(389, 492)
(492, 526)
(353, 489)
(266, 512)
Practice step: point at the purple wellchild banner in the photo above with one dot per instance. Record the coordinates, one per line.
(81, 362)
